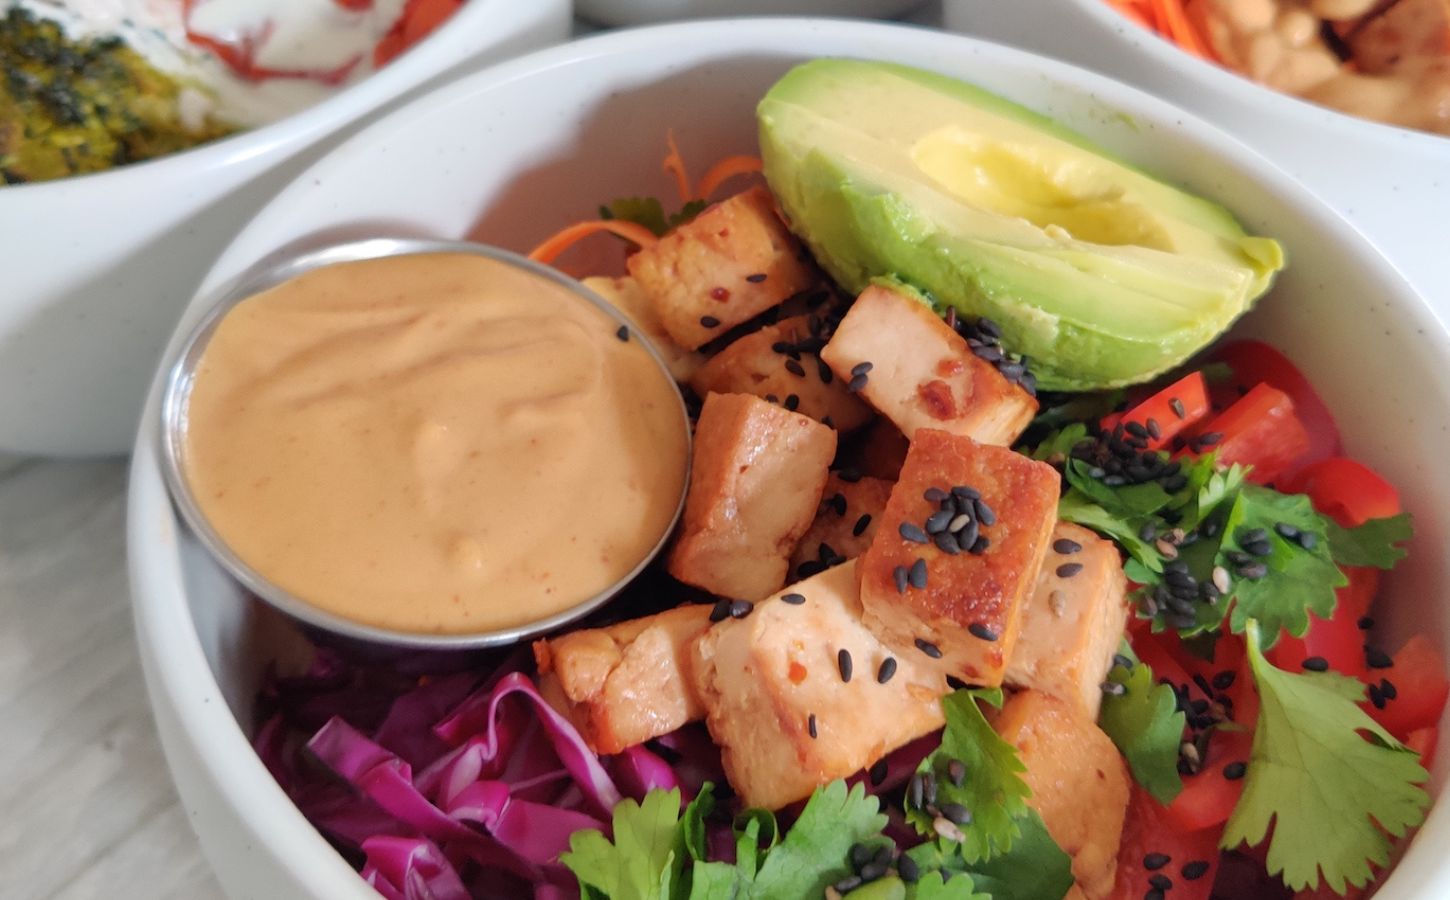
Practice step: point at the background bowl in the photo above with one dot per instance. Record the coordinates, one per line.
(97, 268)
(639, 12)
(1393, 183)
(506, 156)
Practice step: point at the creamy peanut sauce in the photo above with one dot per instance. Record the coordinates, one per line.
(434, 443)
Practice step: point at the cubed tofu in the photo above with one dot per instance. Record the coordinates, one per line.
(768, 364)
(626, 683)
(1079, 782)
(844, 524)
(624, 295)
(755, 482)
(959, 609)
(1073, 620)
(1409, 33)
(731, 263)
(779, 706)
(922, 373)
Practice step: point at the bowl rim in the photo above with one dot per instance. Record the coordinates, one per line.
(180, 368)
(1241, 88)
(180, 678)
(353, 101)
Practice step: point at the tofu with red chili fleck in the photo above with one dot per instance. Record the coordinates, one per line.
(957, 552)
(729, 264)
(797, 694)
(779, 363)
(918, 372)
(626, 683)
(1073, 620)
(755, 482)
(1079, 782)
(844, 525)
(624, 294)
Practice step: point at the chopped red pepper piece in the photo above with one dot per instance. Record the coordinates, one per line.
(1153, 846)
(1260, 430)
(1169, 412)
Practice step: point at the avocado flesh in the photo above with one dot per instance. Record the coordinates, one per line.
(1101, 274)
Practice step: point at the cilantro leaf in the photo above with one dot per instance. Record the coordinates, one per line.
(1130, 500)
(1333, 797)
(1146, 724)
(813, 853)
(1375, 543)
(992, 791)
(933, 886)
(1035, 868)
(1298, 580)
(1059, 443)
(646, 211)
(645, 859)
(1079, 509)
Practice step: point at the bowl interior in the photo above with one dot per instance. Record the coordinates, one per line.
(509, 155)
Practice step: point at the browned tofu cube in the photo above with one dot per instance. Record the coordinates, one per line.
(731, 263)
(1079, 782)
(626, 683)
(767, 364)
(624, 295)
(844, 525)
(922, 373)
(1073, 620)
(779, 704)
(755, 481)
(959, 607)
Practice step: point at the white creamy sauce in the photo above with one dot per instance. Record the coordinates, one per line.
(304, 36)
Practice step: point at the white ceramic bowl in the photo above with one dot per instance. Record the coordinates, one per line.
(639, 12)
(507, 155)
(97, 268)
(1393, 183)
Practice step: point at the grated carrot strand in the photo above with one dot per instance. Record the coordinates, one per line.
(549, 249)
(724, 170)
(674, 165)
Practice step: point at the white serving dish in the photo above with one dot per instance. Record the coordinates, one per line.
(97, 268)
(1392, 183)
(507, 155)
(640, 12)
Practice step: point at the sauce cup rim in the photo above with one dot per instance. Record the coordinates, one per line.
(180, 369)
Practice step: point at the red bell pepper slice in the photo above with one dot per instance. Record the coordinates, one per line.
(1419, 685)
(1169, 412)
(1338, 640)
(1259, 430)
(1254, 363)
(1347, 491)
(1149, 836)
(1209, 797)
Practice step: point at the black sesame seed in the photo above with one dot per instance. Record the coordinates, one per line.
(914, 791)
(793, 599)
(1376, 658)
(720, 611)
(843, 662)
(1066, 547)
(967, 536)
(928, 788)
(859, 855)
(1365, 623)
(982, 632)
(1259, 548)
(1316, 664)
(1161, 882)
(1224, 680)
(1178, 409)
(980, 545)
(956, 813)
(861, 368)
(907, 868)
(1387, 688)
(916, 575)
(1154, 431)
(957, 772)
(792, 402)
(861, 525)
(856, 384)
(823, 370)
(928, 648)
(878, 772)
(1253, 571)
(886, 670)
(783, 347)
(795, 368)
(771, 398)
(808, 568)
(901, 577)
(873, 871)
(1155, 861)
(935, 495)
(1148, 532)
(709, 322)
(1122, 661)
(756, 278)
(1067, 570)
(837, 503)
(848, 884)
(962, 492)
(739, 609)
(947, 543)
(956, 683)
(1286, 531)
(985, 515)
(1376, 696)
(1192, 871)
(938, 521)
(910, 531)
(811, 725)
(1154, 894)
(622, 333)
(849, 474)
(1235, 770)
(1308, 540)
(1136, 429)
(1210, 438)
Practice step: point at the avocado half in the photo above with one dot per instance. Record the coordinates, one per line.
(1101, 274)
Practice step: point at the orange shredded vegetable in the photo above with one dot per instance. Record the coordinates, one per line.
(1135, 10)
(549, 249)
(674, 165)
(723, 171)
(1173, 20)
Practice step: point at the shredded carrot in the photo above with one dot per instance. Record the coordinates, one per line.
(674, 165)
(549, 250)
(1132, 9)
(723, 171)
(1173, 21)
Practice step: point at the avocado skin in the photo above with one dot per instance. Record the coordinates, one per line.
(1089, 316)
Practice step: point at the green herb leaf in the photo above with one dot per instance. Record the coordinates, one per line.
(1135, 501)
(992, 791)
(1375, 543)
(1075, 507)
(1059, 443)
(933, 886)
(644, 861)
(687, 213)
(1298, 582)
(1035, 868)
(1147, 726)
(646, 211)
(813, 853)
(1333, 797)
